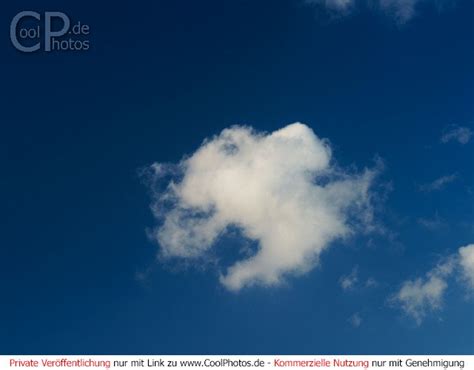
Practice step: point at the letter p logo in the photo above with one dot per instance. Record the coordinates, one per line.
(49, 33)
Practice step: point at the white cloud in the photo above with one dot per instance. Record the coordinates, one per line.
(457, 133)
(422, 295)
(280, 189)
(355, 320)
(438, 184)
(400, 10)
(432, 223)
(349, 281)
(466, 261)
(336, 5)
(371, 283)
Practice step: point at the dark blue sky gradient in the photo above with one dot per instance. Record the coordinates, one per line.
(160, 77)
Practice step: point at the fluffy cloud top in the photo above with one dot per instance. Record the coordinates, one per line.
(281, 190)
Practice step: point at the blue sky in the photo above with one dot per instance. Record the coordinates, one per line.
(79, 270)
